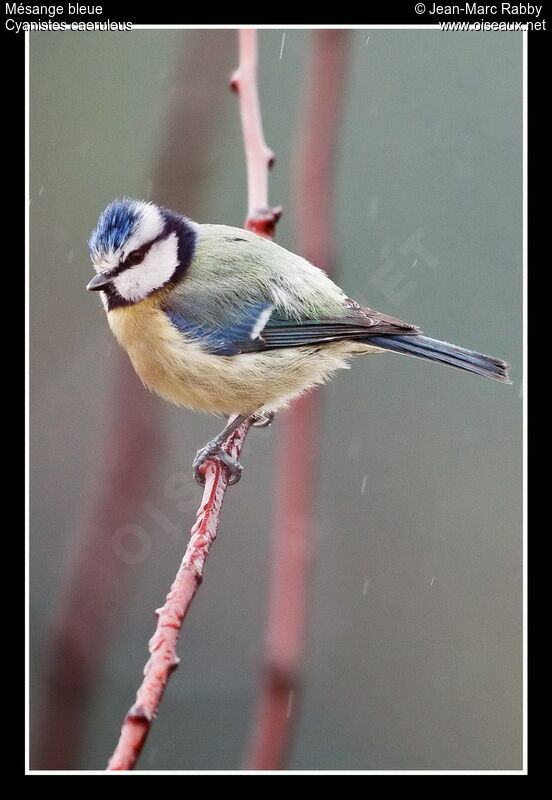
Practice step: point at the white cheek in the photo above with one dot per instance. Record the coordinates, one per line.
(136, 283)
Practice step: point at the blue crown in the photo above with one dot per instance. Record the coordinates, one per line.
(114, 226)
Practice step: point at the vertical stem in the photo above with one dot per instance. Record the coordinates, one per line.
(292, 542)
(258, 156)
(80, 628)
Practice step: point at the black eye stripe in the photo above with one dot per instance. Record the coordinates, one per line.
(135, 257)
(124, 265)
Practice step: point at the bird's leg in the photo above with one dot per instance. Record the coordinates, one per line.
(213, 449)
(264, 420)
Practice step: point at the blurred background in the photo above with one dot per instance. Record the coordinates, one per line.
(413, 657)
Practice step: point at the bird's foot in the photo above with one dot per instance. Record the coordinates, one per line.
(264, 420)
(212, 450)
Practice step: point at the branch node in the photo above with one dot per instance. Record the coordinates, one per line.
(263, 221)
(283, 677)
(235, 81)
(137, 713)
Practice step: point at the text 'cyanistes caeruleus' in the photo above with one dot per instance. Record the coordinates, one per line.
(222, 320)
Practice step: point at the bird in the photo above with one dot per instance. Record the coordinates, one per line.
(222, 320)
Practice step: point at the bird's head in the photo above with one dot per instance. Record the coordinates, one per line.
(138, 248)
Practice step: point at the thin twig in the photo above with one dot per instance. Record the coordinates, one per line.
(162, 646)
(292, 542)
(80, 627)
(261, 218)
(163, 658)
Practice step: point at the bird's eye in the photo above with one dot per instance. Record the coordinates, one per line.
(135, 257)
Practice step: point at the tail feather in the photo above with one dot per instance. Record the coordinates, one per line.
(444, 353)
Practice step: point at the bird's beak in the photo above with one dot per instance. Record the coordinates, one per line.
(98, 282)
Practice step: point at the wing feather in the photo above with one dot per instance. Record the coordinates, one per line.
(253, 328)
(245, 294)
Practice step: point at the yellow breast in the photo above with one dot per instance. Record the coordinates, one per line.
(176, 368)
(166, 362)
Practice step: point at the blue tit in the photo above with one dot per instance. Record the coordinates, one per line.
(221, 320)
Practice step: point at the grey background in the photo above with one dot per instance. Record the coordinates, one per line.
(414, 650)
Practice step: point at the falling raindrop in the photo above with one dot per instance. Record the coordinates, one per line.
(373, 207)
(290, 703)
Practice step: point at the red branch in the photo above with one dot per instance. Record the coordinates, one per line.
(292, 544)
(162, 646)
(261, 218)
(163, 659)
(79, 630)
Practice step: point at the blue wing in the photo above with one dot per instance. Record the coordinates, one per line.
(253, 327)
(239, 335)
